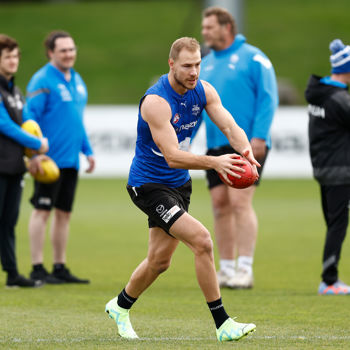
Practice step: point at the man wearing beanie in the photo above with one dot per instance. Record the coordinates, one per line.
(329, 139)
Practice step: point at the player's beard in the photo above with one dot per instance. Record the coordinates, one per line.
(182, 83)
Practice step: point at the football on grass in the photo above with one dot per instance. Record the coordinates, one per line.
(247, 178)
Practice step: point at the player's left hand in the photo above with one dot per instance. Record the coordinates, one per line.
(248, 154)
(92, 163)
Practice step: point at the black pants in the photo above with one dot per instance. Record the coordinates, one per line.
(335, 205)
(10, 197)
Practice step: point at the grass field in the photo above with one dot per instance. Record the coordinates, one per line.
(108, 239)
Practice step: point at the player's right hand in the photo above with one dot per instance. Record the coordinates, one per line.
(226, 164)
(34, 164)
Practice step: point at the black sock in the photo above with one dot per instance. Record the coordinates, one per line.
(124, 300)
(38, 267)
(218, 312)
(58, 266)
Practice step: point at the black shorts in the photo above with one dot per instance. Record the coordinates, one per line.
(213, 178)
(59, 194)
(162, 204)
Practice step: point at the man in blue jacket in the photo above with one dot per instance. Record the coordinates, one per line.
(12, 168)
(246, 82)
(56, 99)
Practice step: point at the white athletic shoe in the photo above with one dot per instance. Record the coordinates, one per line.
(121, 318)
(223, 279)
(241, 280)
(232, 330)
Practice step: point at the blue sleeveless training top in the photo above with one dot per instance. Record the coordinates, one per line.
(149, 165)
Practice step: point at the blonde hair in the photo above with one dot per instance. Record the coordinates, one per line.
(190, 44)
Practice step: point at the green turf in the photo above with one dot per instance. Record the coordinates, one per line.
(108, 239)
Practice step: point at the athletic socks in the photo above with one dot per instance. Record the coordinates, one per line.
(124, 300)
(245, 263)
(228, 266)
(58, 266)
(38, 267)
(216, 308)
(218, 312)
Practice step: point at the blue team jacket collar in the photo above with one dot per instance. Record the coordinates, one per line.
(237, 43)
(171, 90)
(59, 73)
(329, 81)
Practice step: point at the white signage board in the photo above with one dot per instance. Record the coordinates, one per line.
(112, 132)
(289, 155)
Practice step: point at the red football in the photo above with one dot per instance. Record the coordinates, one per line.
(247, 178)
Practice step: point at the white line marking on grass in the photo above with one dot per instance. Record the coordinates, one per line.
(302, 337)
(251, 336)
(164, 339)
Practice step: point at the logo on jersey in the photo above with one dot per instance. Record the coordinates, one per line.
(186, 126)
(65, 94)
(185, 144)
(195, 110)
(233, 60)
(81, 89)
(15, 102)
(176, 118)
(317, 111)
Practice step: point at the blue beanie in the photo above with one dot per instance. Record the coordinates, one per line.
(340, 58)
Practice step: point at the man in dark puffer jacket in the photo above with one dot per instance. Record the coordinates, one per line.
(12, 141)
(329, 137)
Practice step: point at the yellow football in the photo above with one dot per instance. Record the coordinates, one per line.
(50, 174)
(33, 128)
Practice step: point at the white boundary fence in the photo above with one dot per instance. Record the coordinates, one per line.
(112, 131)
